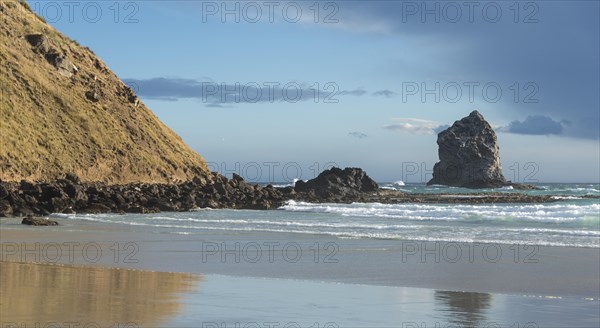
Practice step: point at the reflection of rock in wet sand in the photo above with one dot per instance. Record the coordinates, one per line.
(35, 293)
(464, 309)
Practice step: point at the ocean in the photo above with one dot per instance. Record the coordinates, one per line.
(570, 221)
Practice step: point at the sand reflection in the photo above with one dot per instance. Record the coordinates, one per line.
(464, 309)
(40, 294)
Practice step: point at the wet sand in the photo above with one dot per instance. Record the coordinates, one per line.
(42, 295)
(507, 269)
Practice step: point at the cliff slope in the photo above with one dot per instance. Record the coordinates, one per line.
(62, 111)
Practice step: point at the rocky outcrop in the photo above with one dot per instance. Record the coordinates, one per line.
(336, 183)
(41, 45)
(37, 221)
(469, 155)
(70, 195)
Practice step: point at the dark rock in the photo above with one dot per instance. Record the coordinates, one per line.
(237, 177)
(189, 201)
(199, 181)
(59, 205)
(287, 191)
(129, 94)
(118, 199)
(141, 210)
(520, 186)
(5, 208)
(42, 45)
(64, 66)
(469, 155)
(4, 191)
(92, 95)
(208, 203)
(50, 191)
(336, 181)
(73, 178)
(236, 181)
(166, 206)
(39, 43)
(37, 221)
(28, 186)
(96, 208)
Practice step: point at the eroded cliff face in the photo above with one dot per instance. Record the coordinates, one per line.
(64, 112)
(469, 155)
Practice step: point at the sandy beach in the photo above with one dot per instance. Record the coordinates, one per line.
(473, 267)
(97, 273)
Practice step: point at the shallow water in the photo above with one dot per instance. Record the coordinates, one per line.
(34, 295)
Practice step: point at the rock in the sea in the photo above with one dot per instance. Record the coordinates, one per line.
(469, 155)
(37, 221)
(336, 181)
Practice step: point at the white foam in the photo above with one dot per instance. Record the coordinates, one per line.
(556, 224)
(453, 212)
(291, 184)
(565, 197)
(465, 237)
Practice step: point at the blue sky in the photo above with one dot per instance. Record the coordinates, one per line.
(229, 83)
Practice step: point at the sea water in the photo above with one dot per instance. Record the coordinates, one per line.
(570, 221)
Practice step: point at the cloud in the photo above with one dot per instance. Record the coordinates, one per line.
(214, 94)
(441, 128)
(357, 134)
(413, 126)
(357, 92)
(535, 125)
(385, 93)
(476, 49)
(215, 106)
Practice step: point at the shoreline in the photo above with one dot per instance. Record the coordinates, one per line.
(70, 196)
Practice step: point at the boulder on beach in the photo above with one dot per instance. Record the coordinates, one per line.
(38, 221)
(338, 182)
(469, 155)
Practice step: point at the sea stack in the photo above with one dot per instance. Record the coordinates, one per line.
(469, 155)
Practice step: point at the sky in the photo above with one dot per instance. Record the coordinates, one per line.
(282, 90)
